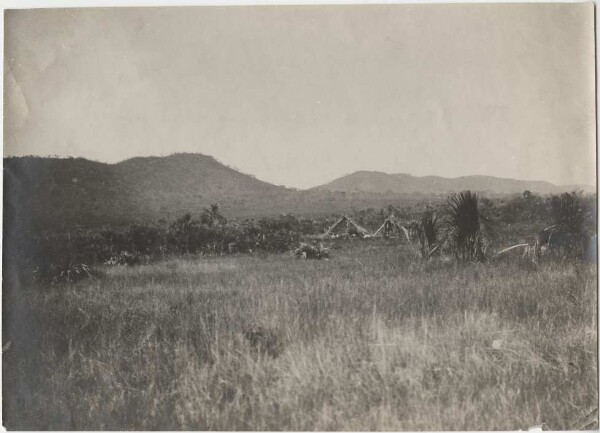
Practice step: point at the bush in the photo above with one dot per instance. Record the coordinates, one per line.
(275, 235)
(49, 256)
(264, 341)
(124, 258)
(60, 274)
(426, 232)
(145, 239)
(307, 251)
(527, 207)
(574, 224)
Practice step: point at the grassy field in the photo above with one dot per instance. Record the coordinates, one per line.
(369, 340)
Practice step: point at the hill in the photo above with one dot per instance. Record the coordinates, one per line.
(378, 182)
(50, 193)
(168, 186)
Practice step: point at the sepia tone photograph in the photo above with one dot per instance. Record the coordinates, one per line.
(341, 217)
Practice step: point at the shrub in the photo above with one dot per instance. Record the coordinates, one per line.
(307, 251)
(124, 258)
(183, 234)
(426, 232)
(53, 253)
(275, 234)
(573, 225)
(212, 216)
(145, 239)
(54, 274)
(524, 207)
(264, 341)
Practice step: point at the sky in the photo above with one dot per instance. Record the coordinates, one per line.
(300, 95)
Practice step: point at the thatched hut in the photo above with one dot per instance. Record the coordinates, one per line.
(391, 228)
(345, 227)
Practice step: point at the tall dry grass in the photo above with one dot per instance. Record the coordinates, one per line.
(371, 340)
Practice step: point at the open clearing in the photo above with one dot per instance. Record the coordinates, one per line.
(372, 339)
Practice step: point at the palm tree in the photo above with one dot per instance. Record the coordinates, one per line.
(467, 230)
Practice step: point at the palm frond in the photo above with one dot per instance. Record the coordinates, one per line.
(467, 231)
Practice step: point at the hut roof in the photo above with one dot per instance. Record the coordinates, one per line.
(349, 222)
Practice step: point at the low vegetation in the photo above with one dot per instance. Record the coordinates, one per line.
(47, 255)
(426, 233)
(572, 226)
(312, 251)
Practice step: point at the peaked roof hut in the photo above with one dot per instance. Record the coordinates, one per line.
(345, 226)
(392, 228)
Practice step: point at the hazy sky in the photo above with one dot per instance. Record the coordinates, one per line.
(299, 95)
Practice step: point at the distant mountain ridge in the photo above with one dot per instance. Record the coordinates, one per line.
(382, 183)
(68, 192)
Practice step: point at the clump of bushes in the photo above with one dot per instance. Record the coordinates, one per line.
(49, 255)
(426, 232)
(264, 341)
(574, 224)
(54, 274)
(124, 258)
(525, 207)
(465, 230)
(189, 235)
(308, 251)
